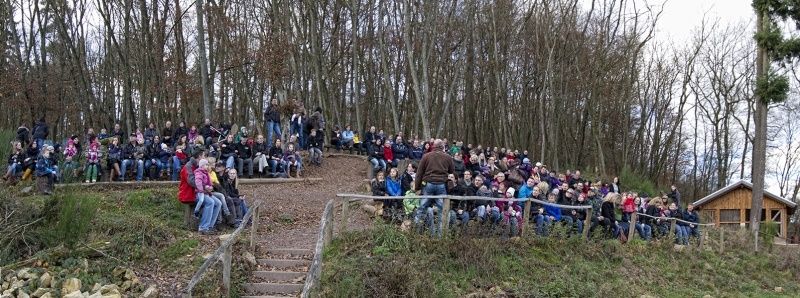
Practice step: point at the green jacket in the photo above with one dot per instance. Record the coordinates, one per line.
(411, 202)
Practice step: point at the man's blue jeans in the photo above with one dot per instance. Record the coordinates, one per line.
(645, 231)
(139, 168)
(176, 168)
(433, 189)
(273, 128)
(154, 163)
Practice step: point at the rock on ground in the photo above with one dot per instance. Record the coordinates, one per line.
(71, 285)
(151, 292)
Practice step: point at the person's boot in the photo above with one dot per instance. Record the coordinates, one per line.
(27, 174)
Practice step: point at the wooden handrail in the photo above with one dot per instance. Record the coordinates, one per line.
(675, 219)
(224, 251)
(324, 237)
(464, 198)
(242, 181)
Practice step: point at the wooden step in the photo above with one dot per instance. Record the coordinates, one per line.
(277, 263)
(299, 252)
(272, 288)
(279, 275)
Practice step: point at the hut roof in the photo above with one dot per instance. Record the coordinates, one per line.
(738, 184)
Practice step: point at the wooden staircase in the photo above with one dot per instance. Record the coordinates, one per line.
(279, 273)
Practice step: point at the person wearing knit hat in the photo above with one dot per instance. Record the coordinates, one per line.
(512, 214)
(210, 206)
(202, 168)
(510, 192)
(46, 171)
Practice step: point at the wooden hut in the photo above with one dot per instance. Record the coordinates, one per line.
(730, 207)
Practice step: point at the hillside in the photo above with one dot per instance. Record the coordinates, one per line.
(385, 262)
(96, 234)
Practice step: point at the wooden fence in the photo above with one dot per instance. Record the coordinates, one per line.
(672, 222)
(323, 239)
(444, 223)
(225, 251)
(326, 224)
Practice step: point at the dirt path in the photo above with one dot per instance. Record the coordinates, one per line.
(293, 210)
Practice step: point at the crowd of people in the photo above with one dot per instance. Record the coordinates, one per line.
(159, 154)
(507, 179)
(207, 161)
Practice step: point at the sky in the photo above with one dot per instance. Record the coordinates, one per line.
(681, 17)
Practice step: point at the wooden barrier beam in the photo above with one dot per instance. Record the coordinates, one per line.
(465, 198)
(242, 181)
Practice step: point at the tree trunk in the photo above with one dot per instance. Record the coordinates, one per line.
(760, 138)
(201, 44)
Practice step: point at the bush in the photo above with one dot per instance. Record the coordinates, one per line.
(769, 230)
(632, 181)
(18, 226)
(6, 136)
(69, 215)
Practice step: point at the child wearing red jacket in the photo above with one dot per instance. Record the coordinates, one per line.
(388, 154)
(628, 207)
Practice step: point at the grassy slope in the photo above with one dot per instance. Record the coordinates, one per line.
(386, 262)
(142, 229)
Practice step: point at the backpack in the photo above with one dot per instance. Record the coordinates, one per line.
(622, 237)
(190, 173)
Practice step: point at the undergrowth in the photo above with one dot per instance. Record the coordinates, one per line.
(385, 262)
(105, 229)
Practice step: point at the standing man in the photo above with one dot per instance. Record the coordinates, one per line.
(675, 196)
(166, 134)
(433, 170)
(273, 118)
(40, 133)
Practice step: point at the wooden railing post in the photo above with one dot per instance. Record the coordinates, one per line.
(632, 226)
(254, 227)
(587, 223)
(345, 211)
(226, 270)
(526, 213)
(445, 213)
(328, 225)
(671, 226)
(702, 237)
